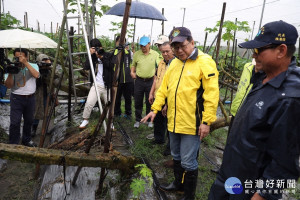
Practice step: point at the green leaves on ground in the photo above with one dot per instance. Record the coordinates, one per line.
(138, 185)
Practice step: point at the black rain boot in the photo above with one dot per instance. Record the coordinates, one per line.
(33, 130)
(190, 184)
(176, 185)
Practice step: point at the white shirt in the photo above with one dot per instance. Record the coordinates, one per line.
(99, 77)
(24, 77)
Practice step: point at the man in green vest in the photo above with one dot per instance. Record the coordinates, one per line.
(125, 85)
(249, 77)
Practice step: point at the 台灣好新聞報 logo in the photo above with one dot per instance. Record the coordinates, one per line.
(233, 186)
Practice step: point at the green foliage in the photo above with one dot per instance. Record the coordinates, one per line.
(138, 187)
(8, 21)
(230, 27)
(138, 184)
(117, 26)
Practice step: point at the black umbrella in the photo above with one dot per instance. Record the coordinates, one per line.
(138, 10)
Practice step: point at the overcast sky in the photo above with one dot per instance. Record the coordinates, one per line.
(199, 15)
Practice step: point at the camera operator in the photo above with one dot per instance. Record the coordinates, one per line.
(103, 72)
(42, 90)
(22, 99)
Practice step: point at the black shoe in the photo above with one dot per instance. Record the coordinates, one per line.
(167, 152)
(172, 187)
(176, 185)
(30, 144)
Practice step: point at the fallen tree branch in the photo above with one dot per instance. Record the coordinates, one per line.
(111, 160)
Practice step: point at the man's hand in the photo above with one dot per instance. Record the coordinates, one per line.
(151, 97)
(133, 75)
(203, 131)
(256, 196)
(164, 110)
(151, 115)
(22, 59)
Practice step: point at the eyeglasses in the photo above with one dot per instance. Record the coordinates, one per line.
(259, 50)
(183, 47)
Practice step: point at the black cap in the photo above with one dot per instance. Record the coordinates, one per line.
(180, 34)
(95, 43)
(278, 32)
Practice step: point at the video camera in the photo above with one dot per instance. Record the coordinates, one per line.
(44, 67)
(99, 51)
(12, 67)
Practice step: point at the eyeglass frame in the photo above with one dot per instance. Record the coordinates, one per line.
(183, 47)
(258, 51)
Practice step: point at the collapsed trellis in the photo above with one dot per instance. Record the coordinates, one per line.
(109, 160)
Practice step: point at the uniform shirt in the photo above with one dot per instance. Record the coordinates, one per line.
(145, 64)
(24, 77)
(263, 142)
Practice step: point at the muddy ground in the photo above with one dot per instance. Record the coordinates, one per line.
(17, 179)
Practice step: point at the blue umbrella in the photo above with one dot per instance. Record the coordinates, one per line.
(138, 10)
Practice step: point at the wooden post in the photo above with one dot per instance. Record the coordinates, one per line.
(26, 19)
(205, 42)
(71, 33)
(248, 57)
(220, 33)
(233, 45)
(207, 50)
(163, 22)
(42, 138)
(92, 26)
(114, 90)
(51, 31)
(38, 23)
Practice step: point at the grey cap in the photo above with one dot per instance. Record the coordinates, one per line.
(42, 57)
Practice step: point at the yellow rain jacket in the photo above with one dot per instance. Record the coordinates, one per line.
(192, 92)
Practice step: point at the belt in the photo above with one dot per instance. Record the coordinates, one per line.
(25, 96)
(144, 79)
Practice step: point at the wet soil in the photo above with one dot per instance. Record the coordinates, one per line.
(17, 179)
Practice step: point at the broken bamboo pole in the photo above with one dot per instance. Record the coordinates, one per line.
(42, 138)
(42, 156)
(114, 90)
(220, 34)
(92, 140)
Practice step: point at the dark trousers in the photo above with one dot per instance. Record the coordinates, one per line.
(21, 106)
(160, 127)
(141, 88)
(124, 89)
